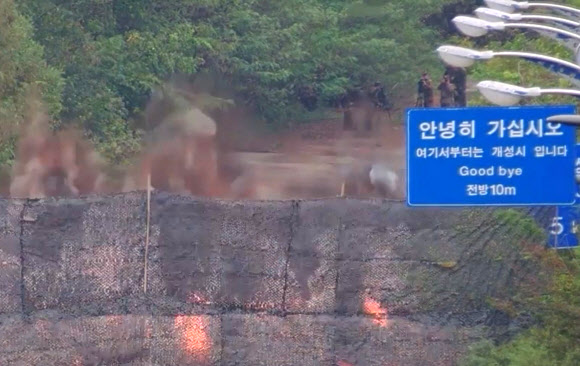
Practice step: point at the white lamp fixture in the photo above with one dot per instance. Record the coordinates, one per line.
(493, 15)
(507, 6)
(506, 94)
(475, 27)
(462, 57)
(510, 6)
(465, 57)
(566, 119)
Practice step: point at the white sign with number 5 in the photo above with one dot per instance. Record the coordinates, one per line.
(557, 228)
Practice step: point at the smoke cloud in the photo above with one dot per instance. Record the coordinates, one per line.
(50, 163)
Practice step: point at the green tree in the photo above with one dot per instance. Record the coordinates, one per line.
(555, 341)
(264, 52)
(23, 73)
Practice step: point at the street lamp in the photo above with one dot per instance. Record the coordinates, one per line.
(566, 119)
(510, 6)
(475, 27)
(465, 57)
(494, 15)
(506, 94)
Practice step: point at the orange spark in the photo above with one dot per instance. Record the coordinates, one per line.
(113, 320)
(194, 338)
(343, 363)
(197, 299)
(148, 331)
(373, 308)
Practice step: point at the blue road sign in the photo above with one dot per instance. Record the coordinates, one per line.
(564, 226)
(490, 156)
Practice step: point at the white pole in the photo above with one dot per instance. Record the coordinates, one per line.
(147, 232)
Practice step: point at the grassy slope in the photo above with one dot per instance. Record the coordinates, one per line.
(556, 340)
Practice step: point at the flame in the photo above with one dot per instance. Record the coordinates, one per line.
(343, 363)
(113, 320)
(194, 338)
(373, 308)
(148, 331)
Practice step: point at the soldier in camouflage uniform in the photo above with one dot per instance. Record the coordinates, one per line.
(424, 91)
(458, 77)
(447, 92)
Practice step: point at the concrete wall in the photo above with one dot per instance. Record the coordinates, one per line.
(263, 283)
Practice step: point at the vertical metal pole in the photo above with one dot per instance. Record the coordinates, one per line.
(147, 232)
(556, 235)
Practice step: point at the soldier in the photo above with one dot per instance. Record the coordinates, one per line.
(308, 98)
(382, 102)
(427, 89)
(346, 105)
(420, 86)
(458, 77)
(379, 97)
(460, 81)
(378, 100)
(446, 90)
(347, 120)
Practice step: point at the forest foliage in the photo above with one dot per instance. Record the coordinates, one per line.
(95, 63)
(554, 339)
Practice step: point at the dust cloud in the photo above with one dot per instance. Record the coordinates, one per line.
(187, 152)
(50, 163)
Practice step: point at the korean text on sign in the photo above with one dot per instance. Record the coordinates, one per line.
(489, 156)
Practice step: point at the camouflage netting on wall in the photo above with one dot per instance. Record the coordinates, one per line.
(329, 282)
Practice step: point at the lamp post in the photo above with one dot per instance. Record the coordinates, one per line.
(475, 27)
(510, 6)
(506, 94)
(465, 57)
(494, 15)
(566, 119)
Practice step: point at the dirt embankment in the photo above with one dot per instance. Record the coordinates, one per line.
(189, 153)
